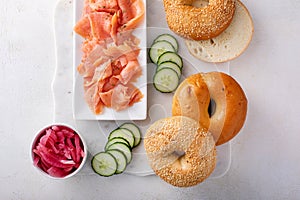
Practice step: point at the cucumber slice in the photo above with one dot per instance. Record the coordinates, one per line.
(166, 80)
(120, 158)
(135, 131)
(158, 48)
(123, 148)
(170, 56)
(169, 38)
(123, 133)
(104, 164)
(170, 64)
(114, 140)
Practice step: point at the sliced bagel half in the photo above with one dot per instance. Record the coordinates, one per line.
(231, 43)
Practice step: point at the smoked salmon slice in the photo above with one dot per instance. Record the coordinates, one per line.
(106, 97)
(102, 72)
(109, 63)
(104, 5)
(83, 27)
(114, 27)
(137, 10)
(93, 99)
(122, 96)
(100, 25)
(125, 6)
(86, 7)
(130, 70)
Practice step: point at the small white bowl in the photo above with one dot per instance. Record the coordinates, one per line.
(42, 132)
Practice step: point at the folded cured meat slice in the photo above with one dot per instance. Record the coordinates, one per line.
(83, 27)
(93, 60)
(121, 96)
(114, 27)
(104, 5)
(86, 7)
(102, 72)
(92, 99)
(133, 13)
(126, 9)
(132, 69)
(100, 25)
(106, 97)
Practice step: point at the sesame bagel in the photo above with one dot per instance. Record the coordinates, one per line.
(199, 23)
(215, 100)
(180, 151)
(231, 43)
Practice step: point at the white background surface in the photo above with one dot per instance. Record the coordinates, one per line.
(265, 156)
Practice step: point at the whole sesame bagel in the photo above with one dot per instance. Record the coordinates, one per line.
(180, 151)
(215, 100)
(199, 23)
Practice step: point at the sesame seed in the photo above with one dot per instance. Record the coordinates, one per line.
(198, 23)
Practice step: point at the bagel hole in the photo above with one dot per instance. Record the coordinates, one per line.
(211, 107)
(200, 3)
(178, 154)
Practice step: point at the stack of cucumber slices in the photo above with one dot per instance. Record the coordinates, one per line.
(164, 53)
(117, 153)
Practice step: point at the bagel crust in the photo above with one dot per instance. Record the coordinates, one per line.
(230, 103)
(199, 23)
(180, 151)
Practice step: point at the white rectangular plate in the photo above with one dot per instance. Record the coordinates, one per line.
(81, 110)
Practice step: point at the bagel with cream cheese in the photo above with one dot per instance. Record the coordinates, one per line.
(180, 150)
(215, 100)
(199, 23)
